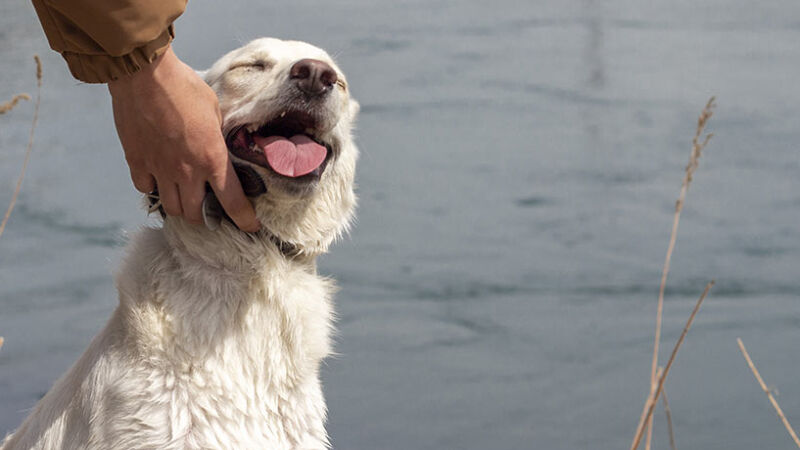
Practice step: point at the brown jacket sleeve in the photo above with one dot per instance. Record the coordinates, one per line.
(102, 40)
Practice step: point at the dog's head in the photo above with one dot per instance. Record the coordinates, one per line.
(287, 120)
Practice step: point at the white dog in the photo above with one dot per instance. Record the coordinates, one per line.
(218, 336)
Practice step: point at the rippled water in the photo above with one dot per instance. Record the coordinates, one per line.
(520, 166)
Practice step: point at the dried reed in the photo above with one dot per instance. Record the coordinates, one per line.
(652, 399)
(694, 160)
(668, 413)
(768, 392)
(9, 105)
(30, 143)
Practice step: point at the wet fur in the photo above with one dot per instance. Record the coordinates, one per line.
(218, 336)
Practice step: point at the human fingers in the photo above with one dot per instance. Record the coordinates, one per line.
(191, 196)
(170, 198)
(231, 196)
(142, 181)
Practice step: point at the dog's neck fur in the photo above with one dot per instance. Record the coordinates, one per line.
(308, 224)
(227, 269)
(231, 249)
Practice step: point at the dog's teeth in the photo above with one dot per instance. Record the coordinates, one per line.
(283, 113)
(252, 128)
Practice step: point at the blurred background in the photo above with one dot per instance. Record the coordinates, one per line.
(520, 164)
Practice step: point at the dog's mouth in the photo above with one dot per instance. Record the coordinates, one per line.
(287, 145)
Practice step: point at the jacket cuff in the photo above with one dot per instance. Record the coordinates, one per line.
(101, 68)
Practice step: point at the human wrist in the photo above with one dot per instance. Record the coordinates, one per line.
(145, 77)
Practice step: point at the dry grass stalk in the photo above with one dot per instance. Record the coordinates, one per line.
(768, 392)
(9, 105)
(652, 399)
(668, 413)
(30, 144)
(694, 160)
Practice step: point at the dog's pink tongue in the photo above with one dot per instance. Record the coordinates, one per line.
(294, 157)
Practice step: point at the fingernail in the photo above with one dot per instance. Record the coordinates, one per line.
(253, 228)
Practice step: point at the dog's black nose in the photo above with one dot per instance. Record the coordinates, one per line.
(313, 76)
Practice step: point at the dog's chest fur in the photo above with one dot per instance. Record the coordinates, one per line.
(250, 378)
(196, 356)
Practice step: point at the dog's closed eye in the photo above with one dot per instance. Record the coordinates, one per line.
(258, 64)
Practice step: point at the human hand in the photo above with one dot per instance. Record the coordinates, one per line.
(168, 122)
